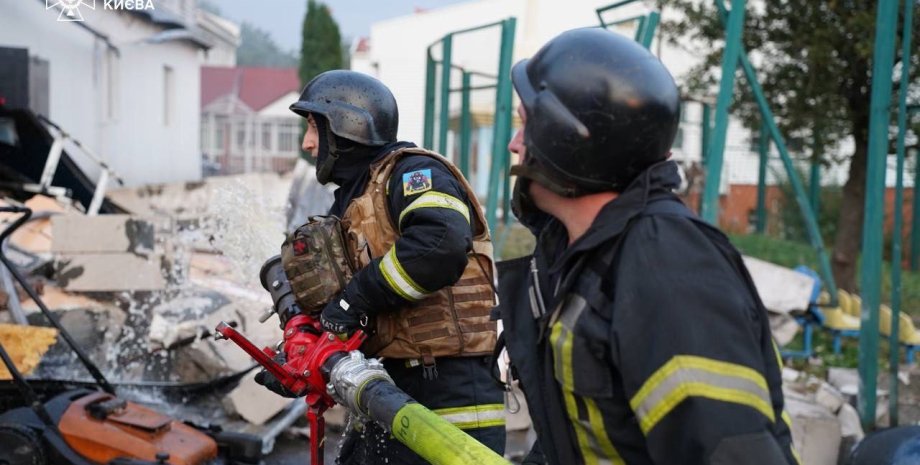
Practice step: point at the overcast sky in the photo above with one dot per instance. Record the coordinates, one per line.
(283, 18)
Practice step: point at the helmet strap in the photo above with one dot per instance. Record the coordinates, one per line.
(328, 155)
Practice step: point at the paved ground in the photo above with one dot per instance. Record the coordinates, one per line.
(291, 450)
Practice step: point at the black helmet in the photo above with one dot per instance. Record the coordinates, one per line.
(357, 106)
(600, 109)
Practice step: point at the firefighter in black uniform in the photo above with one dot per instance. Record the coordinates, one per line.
(424, 283)
(635, 330)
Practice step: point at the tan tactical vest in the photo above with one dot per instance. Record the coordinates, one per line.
(453, 321)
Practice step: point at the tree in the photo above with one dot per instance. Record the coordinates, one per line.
(257, 48)
(321, 49)
(814, 61)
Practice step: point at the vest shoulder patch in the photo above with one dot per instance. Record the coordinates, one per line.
(416, 182)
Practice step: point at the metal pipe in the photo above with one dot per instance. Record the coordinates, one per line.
(763, 150)
(430, 76)
(466, 126)
(894, 352)
(734, 28)
(871, 265)
(648, 29)
(444, 120)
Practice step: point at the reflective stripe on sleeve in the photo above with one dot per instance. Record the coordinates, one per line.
(691, 376)
(432, 199)
(398, 279)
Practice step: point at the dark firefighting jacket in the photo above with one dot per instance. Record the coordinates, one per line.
(644, 341)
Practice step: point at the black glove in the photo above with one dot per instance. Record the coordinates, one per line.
(341, 317)
(271, 383)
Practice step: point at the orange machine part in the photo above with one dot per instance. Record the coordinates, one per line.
(134, 432)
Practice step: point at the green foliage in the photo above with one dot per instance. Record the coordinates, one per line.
(257, 48)
(321, 49)
(812, 57)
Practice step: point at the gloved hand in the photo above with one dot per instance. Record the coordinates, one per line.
(342, 318)
(271, 383)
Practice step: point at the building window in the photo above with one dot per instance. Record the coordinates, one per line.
(240, 136)
(288, 132)
(220, 133)
(267, 136)
(169, 88)
(205, 133)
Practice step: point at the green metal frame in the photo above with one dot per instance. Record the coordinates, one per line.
(814, 182)
(915, 217)
(715, 157)
(645, 30)
(871, 265)
(894, 352)
(763, 152)
(714, 162)
(438, 94)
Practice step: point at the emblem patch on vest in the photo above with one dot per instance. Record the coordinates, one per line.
(416, 182)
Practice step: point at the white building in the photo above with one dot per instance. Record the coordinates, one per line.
(223, 34)
(245, 122)
(124, 83)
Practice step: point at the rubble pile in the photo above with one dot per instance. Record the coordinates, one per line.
(141, 292)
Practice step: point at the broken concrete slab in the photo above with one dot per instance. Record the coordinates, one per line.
(783, 327)
(108, 234)
(829, 397)
(781, 289)
(254, 403)
(25, 346)
(816, 432)
(110, 272)
(850, 424)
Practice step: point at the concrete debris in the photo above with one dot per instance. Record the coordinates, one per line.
(25, 346)
(816, 432)
(829, 397)
(850, 424)
(782, 290)
(784, 328)
(253, 402)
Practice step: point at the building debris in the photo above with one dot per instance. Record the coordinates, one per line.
(25, 345)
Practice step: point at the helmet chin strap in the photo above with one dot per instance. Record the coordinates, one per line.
(328, 155)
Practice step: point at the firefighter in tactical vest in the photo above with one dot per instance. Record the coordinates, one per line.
(635, 329)
(422, 257)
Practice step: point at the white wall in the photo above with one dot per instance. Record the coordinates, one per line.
(134, 139)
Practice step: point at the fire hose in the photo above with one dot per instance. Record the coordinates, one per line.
(335, 371)
(332, 370)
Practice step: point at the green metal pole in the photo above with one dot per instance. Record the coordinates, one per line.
(871, 267)
(430, 76)
(814, 183)
(894, 353)
(444, 124)
(710, 207)
(763, 149)
(648, 32)
(811, 223)
(501, 130)
(706, 129)
(466, 126)
(640, 28)
(915, 217)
